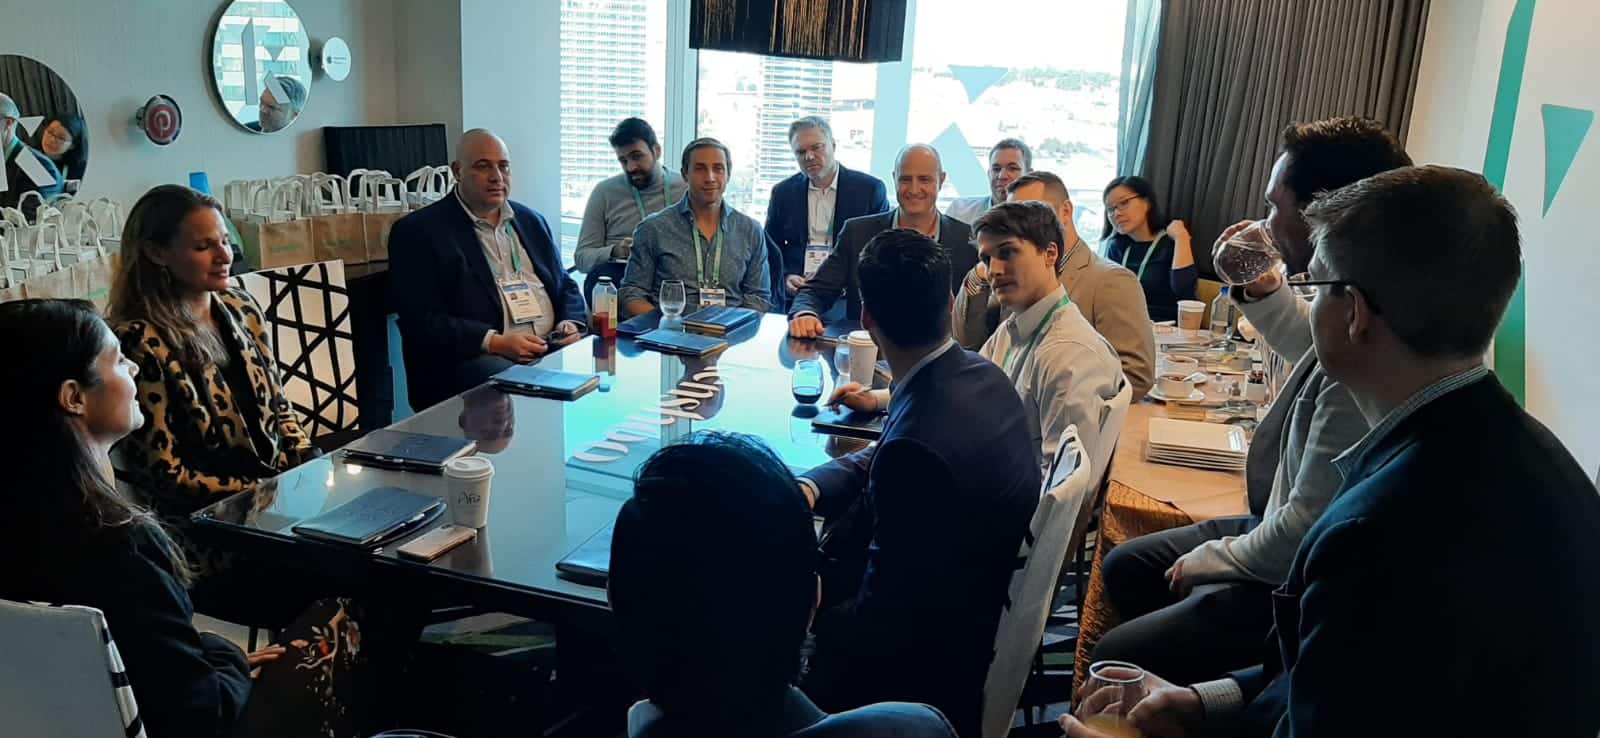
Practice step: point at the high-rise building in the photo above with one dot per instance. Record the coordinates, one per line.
(790, 89)
(604, 53)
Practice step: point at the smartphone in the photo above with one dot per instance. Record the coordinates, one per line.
(437, 542)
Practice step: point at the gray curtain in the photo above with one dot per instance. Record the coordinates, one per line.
(1230, 74)
(1139, 45)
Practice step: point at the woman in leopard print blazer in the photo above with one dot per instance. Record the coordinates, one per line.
(216, 419)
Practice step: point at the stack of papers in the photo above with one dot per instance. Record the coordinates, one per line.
(1197, 445)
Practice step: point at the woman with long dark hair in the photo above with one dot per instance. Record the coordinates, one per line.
(216, 419)
(87, 544)
(65, 140)
(1138, 236)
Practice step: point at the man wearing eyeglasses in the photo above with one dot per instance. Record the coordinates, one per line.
(1196, 601)
(477, 280)
(26, 169)
(808, 210)
(1449, 589)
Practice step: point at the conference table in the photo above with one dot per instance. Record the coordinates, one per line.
(559, 476)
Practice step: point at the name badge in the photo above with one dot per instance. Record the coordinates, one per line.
(816, 254)
(520, 304)
(713, 297)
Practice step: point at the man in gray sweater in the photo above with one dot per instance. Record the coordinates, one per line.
(1196, 601)
(618, 203)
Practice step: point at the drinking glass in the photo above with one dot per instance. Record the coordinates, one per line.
(1246, 256)
(673, 298)
(841, 362)
(807, 381)
(1114, 688)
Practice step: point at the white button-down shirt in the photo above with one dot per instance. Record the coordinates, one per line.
(498, 242)
(821, 202)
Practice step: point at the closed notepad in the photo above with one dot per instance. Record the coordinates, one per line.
(541, 382)
(378, 515)
(851, 423)
(407, 451)
(676, 342)
(589, 563)
(717, 321)
(641, 323)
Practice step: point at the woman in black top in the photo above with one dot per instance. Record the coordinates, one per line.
(1134, 238)
(65, 140)
(87, 544)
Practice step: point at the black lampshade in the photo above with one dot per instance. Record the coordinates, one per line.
(842, 30)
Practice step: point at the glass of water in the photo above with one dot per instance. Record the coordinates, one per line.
(673, 298)
(1246, 256)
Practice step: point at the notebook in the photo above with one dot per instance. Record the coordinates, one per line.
(842, 421)
(377, 516)
(589, 563)
(641, 323)
(718, 321)
(676, 342)
(417, 452)
(541, 382)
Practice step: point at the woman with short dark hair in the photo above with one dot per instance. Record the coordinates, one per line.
(1137, 236)
(65, 140)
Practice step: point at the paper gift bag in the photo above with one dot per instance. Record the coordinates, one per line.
(271, 245)
(58, 284)
(92, 279)
(342, 236)
(377, 229)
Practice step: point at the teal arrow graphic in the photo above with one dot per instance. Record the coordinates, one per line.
(1564, 131)
(977, 79)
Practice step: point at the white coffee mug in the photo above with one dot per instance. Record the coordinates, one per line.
(863, 357)
(467, 485)
(1175, 386)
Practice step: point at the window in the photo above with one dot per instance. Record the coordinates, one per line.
(613, 66)
(748, 102)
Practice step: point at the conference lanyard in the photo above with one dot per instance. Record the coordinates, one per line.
(1147, 254)
(516, 258)
(938, 226)
(666, 194)
(700, 257)
(1033, 341)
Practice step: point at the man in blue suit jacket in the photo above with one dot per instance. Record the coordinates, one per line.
(812, 206)
(477, 280)
(933, 514)
(1450, 587)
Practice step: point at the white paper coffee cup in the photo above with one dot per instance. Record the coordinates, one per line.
(467, 484)
(863, 357)
(1190, 313)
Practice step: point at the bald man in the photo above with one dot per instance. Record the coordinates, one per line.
(477, 280)
(22, 175)
(918, 175)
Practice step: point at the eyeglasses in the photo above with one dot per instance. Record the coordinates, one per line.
(1117, 207)
(1309, 287)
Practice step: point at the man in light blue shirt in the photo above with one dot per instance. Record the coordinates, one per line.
(719, 253)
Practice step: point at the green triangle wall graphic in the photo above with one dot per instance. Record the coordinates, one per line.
(1564, 131)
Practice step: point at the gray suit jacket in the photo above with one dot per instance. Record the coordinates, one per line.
(1290, 477)
(1108, 295)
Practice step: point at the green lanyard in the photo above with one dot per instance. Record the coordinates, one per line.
(11, 148)
(666, 194)
(1033, 341)
(516, 259)
(1147, 254)
(700, 257)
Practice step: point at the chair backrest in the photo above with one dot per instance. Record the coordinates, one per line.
(1033, 585)
(308, 321)
(779, 295)
(1102, 443)
(60, 674)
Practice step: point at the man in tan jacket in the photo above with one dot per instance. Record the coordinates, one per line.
(1108, 295)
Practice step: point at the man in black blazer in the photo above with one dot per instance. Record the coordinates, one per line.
(477, 280)
(808, 210)
(1450, 588)
(933, 514)
(918, 174)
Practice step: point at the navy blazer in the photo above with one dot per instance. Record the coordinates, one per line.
(1457, 566)
(838, 274)
(788, 215)
(446, 294)
(950, 488)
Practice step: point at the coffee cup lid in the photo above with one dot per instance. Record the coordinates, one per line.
(469, 467)
(861, 337)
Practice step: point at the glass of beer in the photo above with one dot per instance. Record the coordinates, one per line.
(1114, 688)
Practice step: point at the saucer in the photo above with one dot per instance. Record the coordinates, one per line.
(1195, 396)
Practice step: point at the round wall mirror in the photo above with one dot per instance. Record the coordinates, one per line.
(261, 63)
(48, 124)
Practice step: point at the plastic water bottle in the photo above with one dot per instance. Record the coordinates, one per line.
(1221, 315)
(604, 304)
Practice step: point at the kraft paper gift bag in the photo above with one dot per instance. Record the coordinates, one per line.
(274, 234)
(342, 236)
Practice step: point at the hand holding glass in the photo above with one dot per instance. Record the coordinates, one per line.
(1247, 255)
(1114, 687)
(673, 298)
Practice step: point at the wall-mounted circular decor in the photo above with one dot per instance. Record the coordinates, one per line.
(335, 58)
(50, 121)
(261, 64)
(160, 119)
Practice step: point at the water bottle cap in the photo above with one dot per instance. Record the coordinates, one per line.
(605, 279)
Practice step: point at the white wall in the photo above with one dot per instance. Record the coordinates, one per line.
(1455, 97)
(115, 55)
(511, 84)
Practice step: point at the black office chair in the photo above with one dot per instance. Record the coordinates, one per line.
(780, 296)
